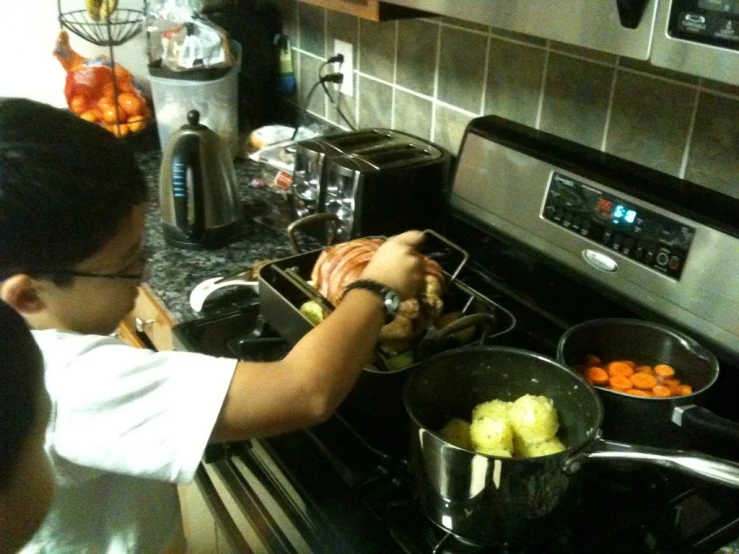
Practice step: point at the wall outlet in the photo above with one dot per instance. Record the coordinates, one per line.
(346, 67)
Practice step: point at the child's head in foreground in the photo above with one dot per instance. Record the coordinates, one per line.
(72, 208)
(26, 481)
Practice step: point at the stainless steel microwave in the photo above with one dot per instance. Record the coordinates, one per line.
(699, 37)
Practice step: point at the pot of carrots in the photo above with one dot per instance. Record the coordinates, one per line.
(653, 381)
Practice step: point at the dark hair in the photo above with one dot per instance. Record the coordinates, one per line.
(21, 376)
(65, 187)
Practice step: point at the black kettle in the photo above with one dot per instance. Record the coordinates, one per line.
(198, 199)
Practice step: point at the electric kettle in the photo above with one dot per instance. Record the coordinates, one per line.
(198, 200)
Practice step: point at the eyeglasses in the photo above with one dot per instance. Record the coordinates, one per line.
(140, 276)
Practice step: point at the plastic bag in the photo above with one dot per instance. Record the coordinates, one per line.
(181, 39)
(100, 93)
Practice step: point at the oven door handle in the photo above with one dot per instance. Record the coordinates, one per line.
(223, 519)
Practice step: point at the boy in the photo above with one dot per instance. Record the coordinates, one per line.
(127, 423)
(26, 480)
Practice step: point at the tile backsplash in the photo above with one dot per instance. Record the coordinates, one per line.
(429, 77)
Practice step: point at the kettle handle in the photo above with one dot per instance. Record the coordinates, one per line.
(187, 176)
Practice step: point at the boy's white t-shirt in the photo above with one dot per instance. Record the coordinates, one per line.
(126, 424)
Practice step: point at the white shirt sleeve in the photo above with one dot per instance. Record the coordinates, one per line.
(132, 411)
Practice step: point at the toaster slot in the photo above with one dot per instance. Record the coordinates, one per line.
(403, 155)
(358, 140)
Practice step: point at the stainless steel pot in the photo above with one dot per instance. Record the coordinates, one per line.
(492, 500)
(675, 422)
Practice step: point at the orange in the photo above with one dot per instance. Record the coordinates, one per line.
(104, 103)
(131, 103)
(78, 104)
(109, 115)
(90, 116)
(108, 90)
(136, 123)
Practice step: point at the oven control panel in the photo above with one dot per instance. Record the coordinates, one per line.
(650, 239)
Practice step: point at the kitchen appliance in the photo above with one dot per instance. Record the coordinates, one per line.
(700, 37)
(199, 203)
(329, 488)
(376, 181)
(622, 27)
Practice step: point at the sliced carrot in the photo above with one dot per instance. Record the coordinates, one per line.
(596, 375)
(644, 369)
(629, 363)
(619, 368)
(620, 383)
(591, 360)
(638, 392)
(664, 370)
(643, 381)
(661, 391)
(685, 390)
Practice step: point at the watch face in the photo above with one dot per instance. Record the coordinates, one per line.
(392, 303)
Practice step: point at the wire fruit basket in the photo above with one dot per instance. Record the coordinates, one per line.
(103, 23)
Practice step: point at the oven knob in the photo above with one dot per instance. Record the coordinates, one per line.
(576, 223)
(558, 214)
(628, 245)
(662, 258)
(549, 212)
(585, 227)
(648, 257)
(639, 253)
(567, 220)
(674, 262)
(617, 241)
(607, 236)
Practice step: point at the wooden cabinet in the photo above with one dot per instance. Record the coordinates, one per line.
(149, 321)
(374, 10)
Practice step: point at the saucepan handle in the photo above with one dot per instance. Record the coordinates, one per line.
(309, 220)
(696, 464)
(704, 423)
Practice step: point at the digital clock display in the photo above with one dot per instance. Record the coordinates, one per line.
(623, 214)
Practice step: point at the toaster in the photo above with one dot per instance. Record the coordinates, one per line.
(375, 181)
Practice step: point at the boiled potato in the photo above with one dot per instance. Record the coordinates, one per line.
(494, 408)
(495, 452)
(526, 450)
(457, 432)
(491, 433)
(533, 418)
(312, 311)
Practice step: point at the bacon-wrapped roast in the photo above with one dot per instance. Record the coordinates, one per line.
(342, 264)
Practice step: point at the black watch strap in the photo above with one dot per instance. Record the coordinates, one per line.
(390, 300)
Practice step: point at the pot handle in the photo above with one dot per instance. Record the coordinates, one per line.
(309, 220)
(696, 464)
(704, 423)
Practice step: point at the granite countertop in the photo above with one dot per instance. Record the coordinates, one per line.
(176, 271)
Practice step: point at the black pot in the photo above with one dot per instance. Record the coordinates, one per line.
(675, 422)
(490, 500)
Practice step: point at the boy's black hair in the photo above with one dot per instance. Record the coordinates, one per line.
(21, 379)
(65, 187)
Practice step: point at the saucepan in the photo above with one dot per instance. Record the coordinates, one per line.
(677, 421)
(493, 500)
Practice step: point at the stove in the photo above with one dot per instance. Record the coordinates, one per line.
(544, 222)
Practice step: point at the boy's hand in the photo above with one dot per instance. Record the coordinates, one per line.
(397, 265)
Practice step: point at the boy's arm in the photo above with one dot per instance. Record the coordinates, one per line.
(314, 378)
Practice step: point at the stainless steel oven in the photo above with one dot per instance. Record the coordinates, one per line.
(557, 234)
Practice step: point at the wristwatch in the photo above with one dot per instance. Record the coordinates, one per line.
(390, 298)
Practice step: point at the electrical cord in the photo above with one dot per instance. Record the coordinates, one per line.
(333, 78)
(322, 80)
